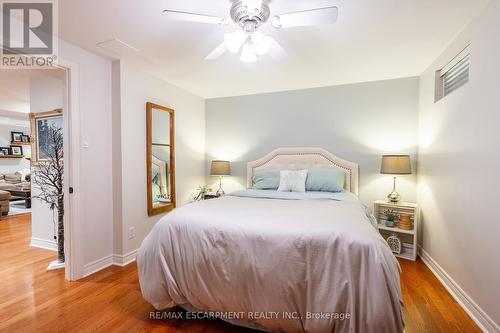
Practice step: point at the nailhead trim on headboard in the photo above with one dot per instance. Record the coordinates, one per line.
(350, 168)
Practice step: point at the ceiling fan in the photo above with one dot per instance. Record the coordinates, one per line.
(249, 16)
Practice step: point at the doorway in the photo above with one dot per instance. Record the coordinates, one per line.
(33, 123)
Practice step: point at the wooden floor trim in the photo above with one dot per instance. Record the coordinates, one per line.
(43, 244)
(97, 265)
(480, 317)
(105, 262)
(125, 259)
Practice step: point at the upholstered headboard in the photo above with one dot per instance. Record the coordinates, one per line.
(305, 158)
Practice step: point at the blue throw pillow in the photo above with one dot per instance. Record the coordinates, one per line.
(325, 180)
(266, 179)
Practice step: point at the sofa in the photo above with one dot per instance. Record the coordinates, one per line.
(13, 181)
(4, 202)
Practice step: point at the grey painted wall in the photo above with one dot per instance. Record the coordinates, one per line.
(357, 122)
(459, 159)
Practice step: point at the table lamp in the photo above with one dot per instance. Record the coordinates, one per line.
(395, 165)
(220, 168)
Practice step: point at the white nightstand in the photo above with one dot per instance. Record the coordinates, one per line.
(408, 237)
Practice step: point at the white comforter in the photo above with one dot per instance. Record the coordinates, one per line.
(285, 265)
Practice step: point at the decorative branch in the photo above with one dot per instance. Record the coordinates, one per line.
(48, 176)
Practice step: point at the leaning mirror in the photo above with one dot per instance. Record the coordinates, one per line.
(160, 158)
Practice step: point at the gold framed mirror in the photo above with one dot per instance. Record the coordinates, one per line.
(160, 158)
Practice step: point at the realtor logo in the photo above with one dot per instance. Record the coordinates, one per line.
(28, 30)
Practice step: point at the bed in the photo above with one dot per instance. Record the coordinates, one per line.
(277, 261)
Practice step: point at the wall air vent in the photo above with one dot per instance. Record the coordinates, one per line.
(454, 75)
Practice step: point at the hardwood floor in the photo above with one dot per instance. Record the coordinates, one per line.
(34, 300)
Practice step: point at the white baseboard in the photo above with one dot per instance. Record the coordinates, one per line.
(481, 318)
(112, 259)
(97, 265)
(125, 259)
(43, 243)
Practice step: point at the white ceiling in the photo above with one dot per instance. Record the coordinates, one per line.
(15, 90)
(372, 40)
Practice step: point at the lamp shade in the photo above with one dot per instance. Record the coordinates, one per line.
(220, 168)
(396, 165)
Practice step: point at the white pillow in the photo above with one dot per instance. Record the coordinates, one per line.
(292, 181)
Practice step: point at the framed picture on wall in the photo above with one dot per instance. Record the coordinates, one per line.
(16, 150)
(16, 136)
(25, 138)
(5, 151)
(42, 125)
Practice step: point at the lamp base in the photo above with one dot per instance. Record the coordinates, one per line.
(220, 191)
(394, 197)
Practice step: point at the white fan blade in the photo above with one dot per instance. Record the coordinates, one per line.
(305, 18)
(192, 17)
(220, 50)
(277, 52)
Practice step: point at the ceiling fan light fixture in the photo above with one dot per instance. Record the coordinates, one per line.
(252, 5)
(261, 42)
(249, 16)
(233, 41)
(248, 54)
(276, 22)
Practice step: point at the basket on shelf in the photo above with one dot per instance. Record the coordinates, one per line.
(405, 221)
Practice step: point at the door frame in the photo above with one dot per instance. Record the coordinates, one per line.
(73, 244)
